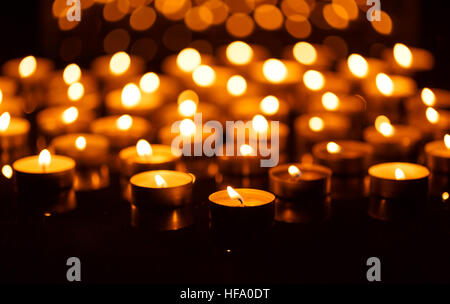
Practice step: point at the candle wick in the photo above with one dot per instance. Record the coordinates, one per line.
(242, 202)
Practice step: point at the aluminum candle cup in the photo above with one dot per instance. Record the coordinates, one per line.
(245, 162)
(397, 190)
(144, 104)
(438, 161)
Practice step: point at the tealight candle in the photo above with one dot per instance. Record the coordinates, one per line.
(316, 81)
(29, 69)
(388, 87)
(438, 161)
(183, 64)
(75, 94)
(13, 132)
(270, 106)
(311, 55)
(397, 190)
(403, 58)
(239, 54)
(356, 67)
(246, 161)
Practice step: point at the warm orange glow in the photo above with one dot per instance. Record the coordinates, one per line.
(188, 59)
(5, 119)
(187, 108)
(259, 123)
(7, 171)
(432, 115)
(402, 55)
(316, 124)
(274, 70)
(304, 53)
(399, 174)
(160, 182)
(447, 140)
(357, 64)
(269, 105)
(239, 53)
(294, 171)
(1, 96)
(44, 158)
(149, 82)
(80, 143)
(72, 73)
(75, 91)
(70, 115)
(333, 148)
(428, 97)
(384, 84)
(330, 101)
(124, 122)
(131, 95)
(236, 85)
(245, 150)
(187, 94)
(27, 66)
(313, 80)
(143, 148)
(187, 127)
(204, 76)
(234, 195)
(119, 63)
(445, 196)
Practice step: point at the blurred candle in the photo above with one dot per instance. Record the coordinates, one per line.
(403, 58)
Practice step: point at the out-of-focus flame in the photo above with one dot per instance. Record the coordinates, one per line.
(269, 105)
(80, 143)
(245, 150)
(160, 181)
(75, 91)
(124, 122)
(358, 65)
(260, 124)
(399, 174)
(204, 76)
(149, 82)
(7, 171)
(131, 95)
(187, 108)
(70, 115)
(119, 63)
(316, 123)
(188, 59)
(236, 85)
(447, 140)
(27, 66)
(313, 80)
(383, 125)
(143, 148)
(1, 96)
(304, 52)
(428, 97)
(445, 196)
(330, 101)
(403, 55)
(333, 148)
(5, 119)
(294, 171)
(384, 84)
(239, 53)
(432, 115)
(274, 70)
(72, 73)
(187, 127)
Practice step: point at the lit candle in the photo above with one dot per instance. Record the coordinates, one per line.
(28, 69)
(276, 72)
(246, 161)
(397, 190)
(438, 161)
(270, 106)
(357, 67)
(240, 54)
(312, 55)
(387, 87)
(403, 58)
(316, 81)
(13, 132)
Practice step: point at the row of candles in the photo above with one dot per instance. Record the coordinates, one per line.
(148, 172)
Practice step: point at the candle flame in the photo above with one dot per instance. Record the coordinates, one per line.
(445, 196)
(119, 63)
(316, 124)
(143, 148)
(246, 150)
(428, 97)
(313, 80)
(386, 129)
(27, 66)
(233, 194)
(259, 123)
(333, 148)
(330, 101)
(124, 122)
(187, 108)
(1, 96)
(72, 73)
(75, 91)
(160, 182)
(80, 143)
(187, 127)
(7, 171)
(149, 82)
(384, 84)
(239, 53)
(5, 119)
(204, 75)
(305, 53)
(131, 95)
(274, 70)
(399, 174)
(358, 65)
(432, 115)
(70, 115)
(402, 55)
(294, 171)
(269, 105)
(188, 59)
(44, 158)
(236, 85)
(447, 140)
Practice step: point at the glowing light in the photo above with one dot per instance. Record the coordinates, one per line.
(131, 95)
(149, 82)
(143, 148)
(80, 143)
(7, 171)
(428, 97)
(269, 105)
(233, 194)
(119, 63)
(447, 141)
(445, 196)
(44, 158)
(236, 85)
(274, 70)
(384, 84)
(124, 122)
(72, 73)
(402, 55)
(432, 115)
(333, 148)
(313, 80)
(239, 53)
(330, 101)
(5, 119)
(187, 94)
(75, 91)
(1, 96)
(204, 76)
(188, 59)
(70, 115)
(187, 108)
(259, 123)
(383, 125)
(304, 53)
(358, 65)
(27, 66)
(160, 182)
(187, 127)
(294, 171)
(316, 124)
(399, 174)
(246, 150)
